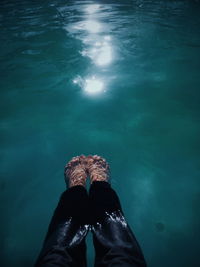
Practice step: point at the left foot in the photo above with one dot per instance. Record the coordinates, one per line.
(75, 171)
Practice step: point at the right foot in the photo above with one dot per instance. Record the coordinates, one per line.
(75, 171)
(98, 168)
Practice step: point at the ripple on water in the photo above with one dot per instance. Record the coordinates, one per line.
(31, 52)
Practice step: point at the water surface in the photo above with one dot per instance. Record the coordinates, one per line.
(114, 78)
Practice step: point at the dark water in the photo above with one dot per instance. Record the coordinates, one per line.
(114, 78)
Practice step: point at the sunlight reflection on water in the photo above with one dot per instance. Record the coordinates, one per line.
(98, 48)
(90, 85)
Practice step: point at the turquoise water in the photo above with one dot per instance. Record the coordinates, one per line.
(114, 78)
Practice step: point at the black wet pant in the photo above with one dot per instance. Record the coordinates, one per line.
(100, 211)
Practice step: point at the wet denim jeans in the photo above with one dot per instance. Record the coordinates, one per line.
(99, 211)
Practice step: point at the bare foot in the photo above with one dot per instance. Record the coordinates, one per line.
(76, 172)
(98, 168)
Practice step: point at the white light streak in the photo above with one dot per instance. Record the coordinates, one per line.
(93, 85)
(92, 8)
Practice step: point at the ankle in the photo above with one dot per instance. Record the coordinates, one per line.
(76, 183)
(98, 178)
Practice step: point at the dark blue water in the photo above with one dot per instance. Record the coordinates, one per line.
(114, 78)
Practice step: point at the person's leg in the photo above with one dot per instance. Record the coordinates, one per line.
(114, 241)
(64, 244)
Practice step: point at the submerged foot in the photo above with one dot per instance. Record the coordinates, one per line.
(98, 168)
(76, 172)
